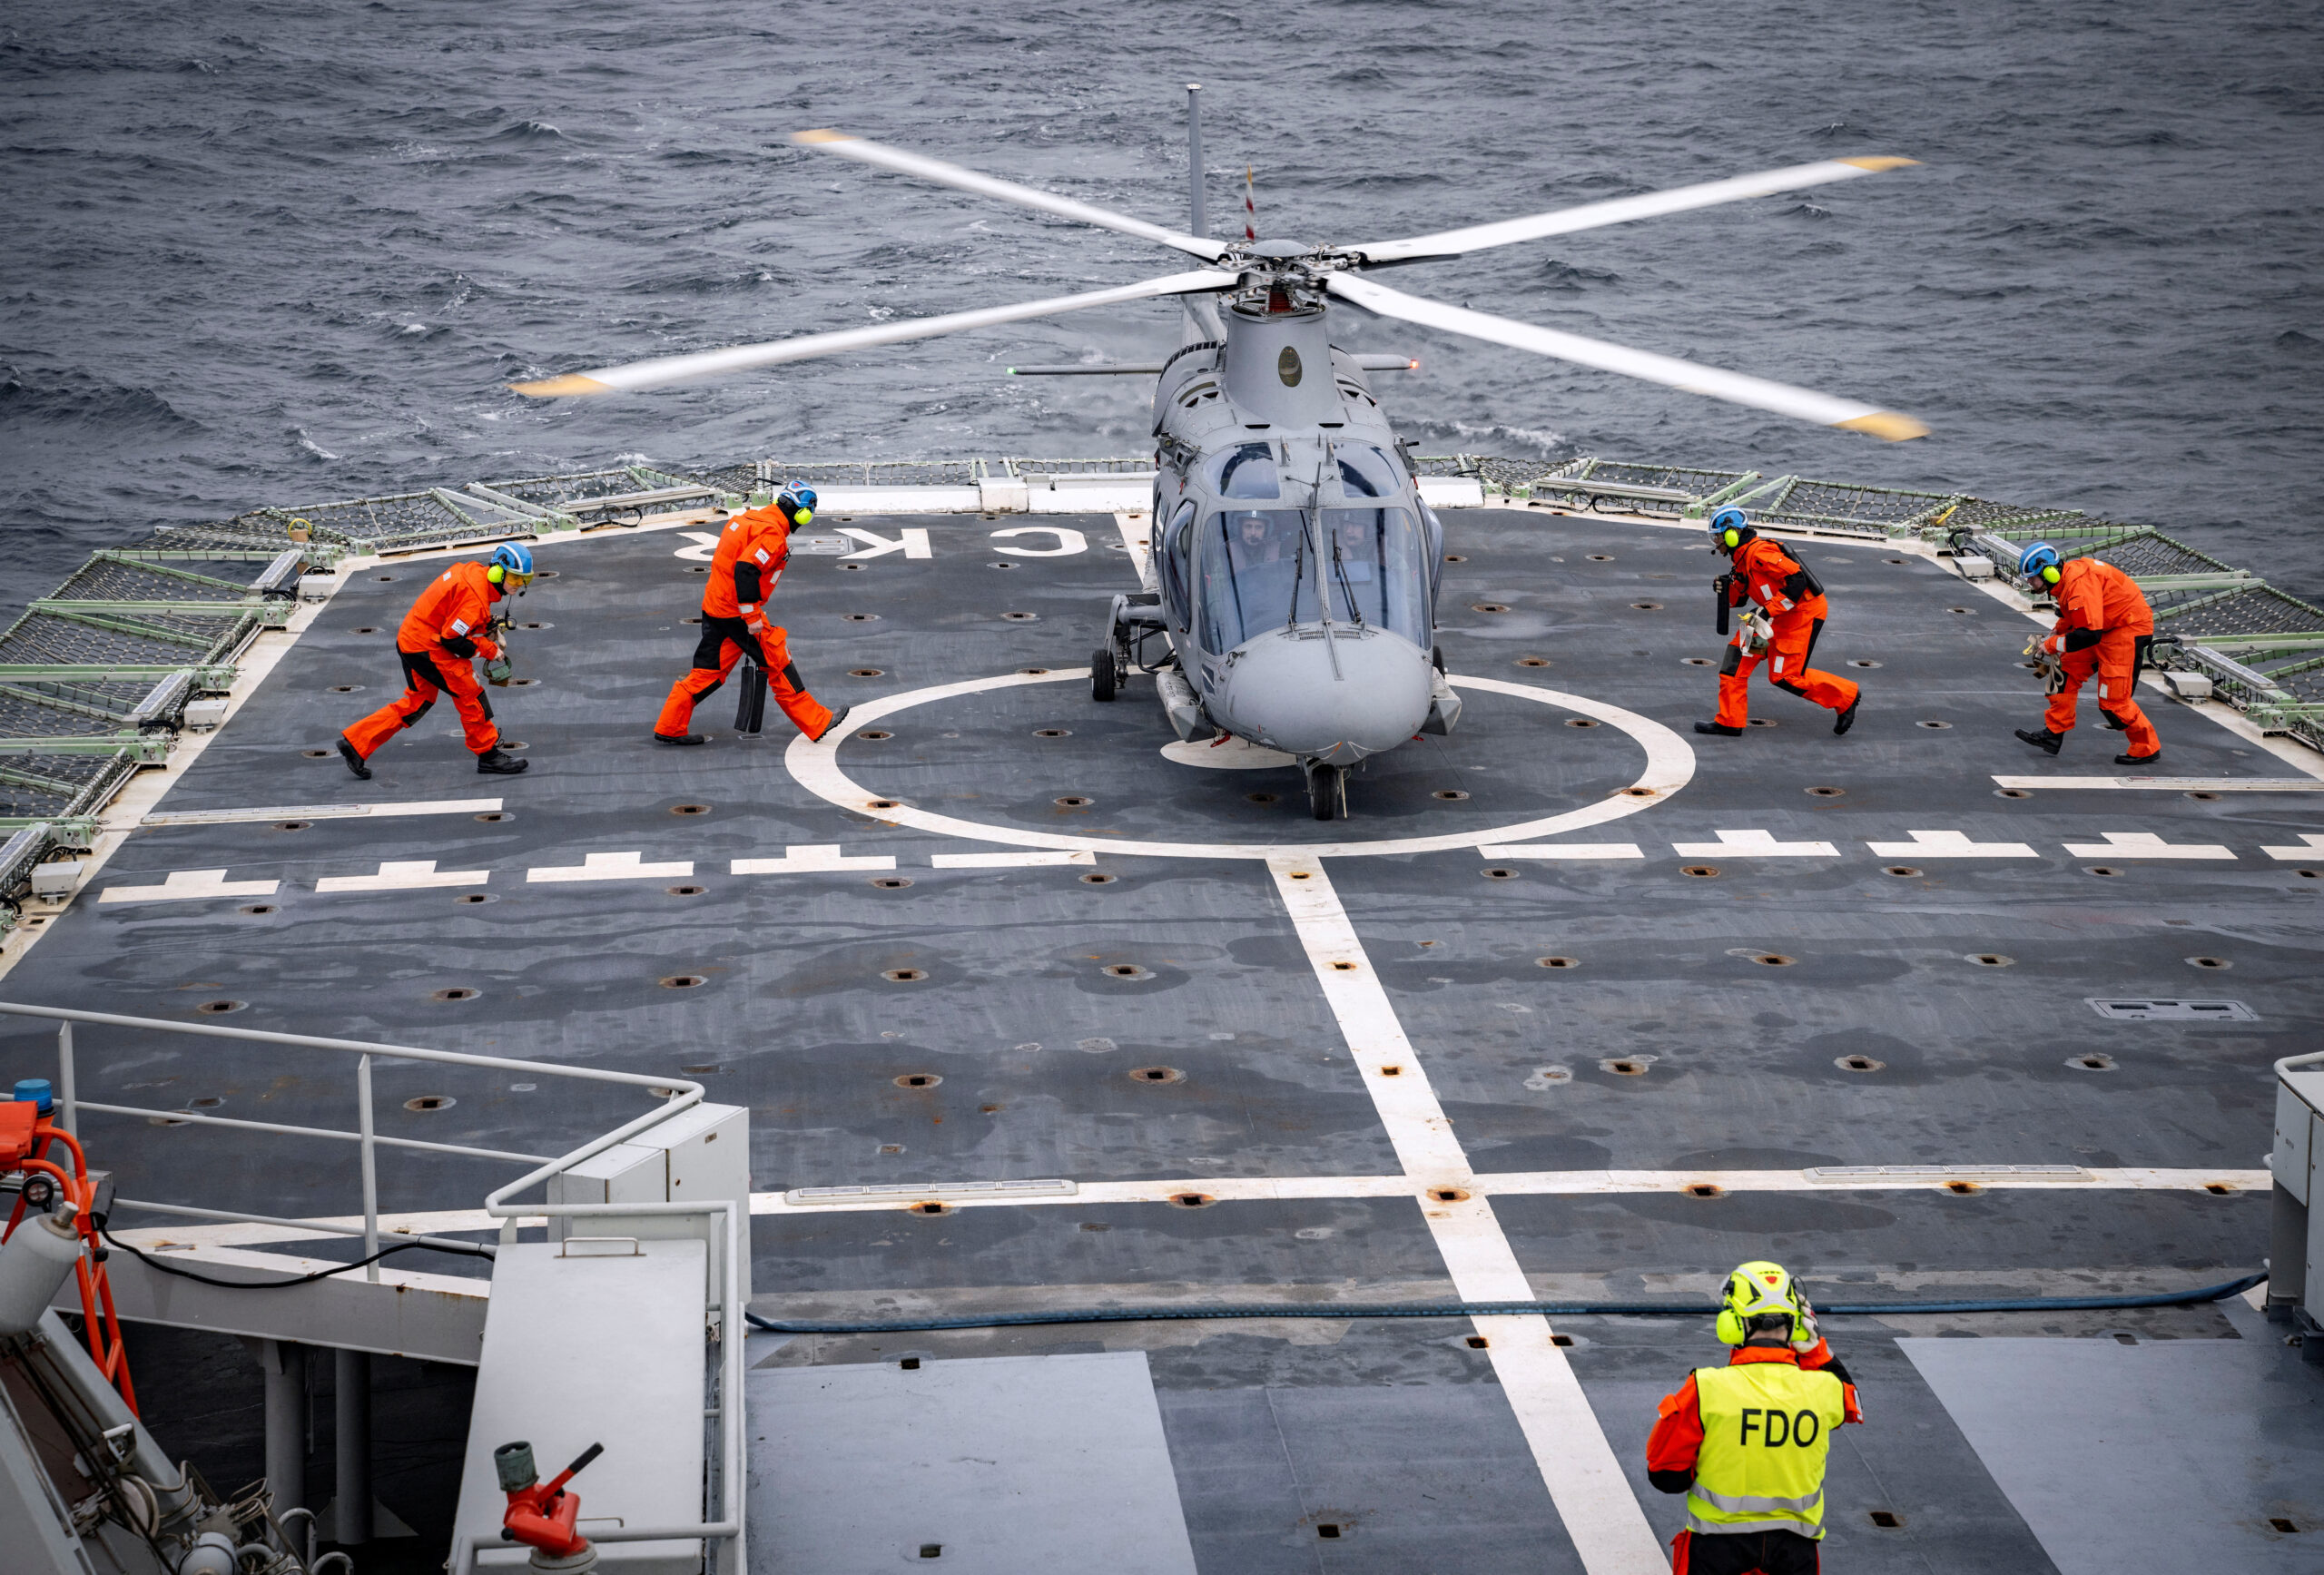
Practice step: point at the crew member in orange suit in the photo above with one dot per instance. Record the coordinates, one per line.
(751, 551)
(1795, 608)
(1747, 1443)
(2104, 626)
(447, 629)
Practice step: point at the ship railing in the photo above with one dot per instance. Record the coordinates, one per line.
(724, 1230)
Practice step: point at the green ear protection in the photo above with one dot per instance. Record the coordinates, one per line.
(2050, 574)
(496, 573)
(1755, 1288)
(1732, 537)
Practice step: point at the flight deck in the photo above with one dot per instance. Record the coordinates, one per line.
(1575, 1005)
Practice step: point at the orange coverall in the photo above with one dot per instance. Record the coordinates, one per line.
(441, 634)
(1765, 573)
(1671, 1450)
(751, 551)
(2104, 628)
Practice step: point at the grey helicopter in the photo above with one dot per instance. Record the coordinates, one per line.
(1294, 567)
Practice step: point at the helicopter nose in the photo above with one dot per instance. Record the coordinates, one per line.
(1362, 695)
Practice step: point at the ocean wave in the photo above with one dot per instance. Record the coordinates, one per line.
(87, 406)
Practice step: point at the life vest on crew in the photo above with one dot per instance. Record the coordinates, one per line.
(1767, 1431)
(752, 552)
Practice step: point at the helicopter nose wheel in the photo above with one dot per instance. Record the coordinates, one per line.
(1106, 672)
(1326, 791)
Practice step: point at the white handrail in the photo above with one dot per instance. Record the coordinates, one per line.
(680, 1095)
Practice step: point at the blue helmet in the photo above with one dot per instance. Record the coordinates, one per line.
(1730, 527)
(510, 560)
(798, 501)
(2040, 561)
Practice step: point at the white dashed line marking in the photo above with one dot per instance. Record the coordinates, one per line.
(611, 867)
(2144, 845)
(411, 876)
(1753, 844)
(184, 885)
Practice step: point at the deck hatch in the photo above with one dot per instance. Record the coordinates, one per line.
(2158, 1010)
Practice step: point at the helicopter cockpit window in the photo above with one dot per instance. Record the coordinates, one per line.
(1366, 471)
(1376, 570)
(1255, 575)
(1245, 470)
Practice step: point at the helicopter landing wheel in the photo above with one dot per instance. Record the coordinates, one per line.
(1105, 674)
(1326, 792)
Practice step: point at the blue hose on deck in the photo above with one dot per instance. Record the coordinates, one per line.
(1489, 1309)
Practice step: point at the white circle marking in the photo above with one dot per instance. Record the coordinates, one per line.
(1669, 766)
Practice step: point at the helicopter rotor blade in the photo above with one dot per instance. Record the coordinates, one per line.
(944, 175)
(664, 370)
(1622, 210)
(1734, 387)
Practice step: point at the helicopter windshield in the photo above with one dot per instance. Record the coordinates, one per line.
(1376, 571)
(1256, 574)
(1245, 470)
(1365, 471)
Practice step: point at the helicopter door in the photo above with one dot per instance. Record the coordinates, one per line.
(1177, 555)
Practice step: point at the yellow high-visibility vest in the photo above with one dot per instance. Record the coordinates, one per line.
(1767, 1429)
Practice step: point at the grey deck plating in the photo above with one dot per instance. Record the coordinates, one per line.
(1278, 1429)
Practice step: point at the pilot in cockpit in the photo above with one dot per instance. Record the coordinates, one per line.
(1255, 539)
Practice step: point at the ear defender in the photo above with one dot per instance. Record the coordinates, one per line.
(496, 573)
(1730, 1327)
(2050, 574)
(1732, 537)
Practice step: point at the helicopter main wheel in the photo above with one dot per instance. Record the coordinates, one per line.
(1105, 674)
(1326, 792)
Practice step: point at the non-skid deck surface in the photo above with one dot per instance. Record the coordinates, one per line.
(1036, 998)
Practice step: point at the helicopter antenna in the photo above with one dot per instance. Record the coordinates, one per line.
(1250, 210)
(1199, 221)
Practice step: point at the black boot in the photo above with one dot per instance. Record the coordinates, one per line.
(1718, 728)
(838, 721)
(354, 761)
(685, 738)
(492, 763)
(2138, 759)
(1846, 719)
(2046, 741)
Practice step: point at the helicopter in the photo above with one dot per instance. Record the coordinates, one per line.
(1294, 567)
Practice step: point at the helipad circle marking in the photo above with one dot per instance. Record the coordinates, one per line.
(1669, 766)
(1234, 754)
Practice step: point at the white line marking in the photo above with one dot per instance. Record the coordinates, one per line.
(2312, 846)
(1753, 844)
(811, 857)
(320, 812)
(1277, 1189)
(412, 876)
(1137, 535)
(1561, 850)
(911, 540)
(611, 867)
(2178, 784)
(1577, 1464)
(184, 885)
(1009, 860)
(1669, 766)
(2144, 845)
(1069, 541)
(1949, 845)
